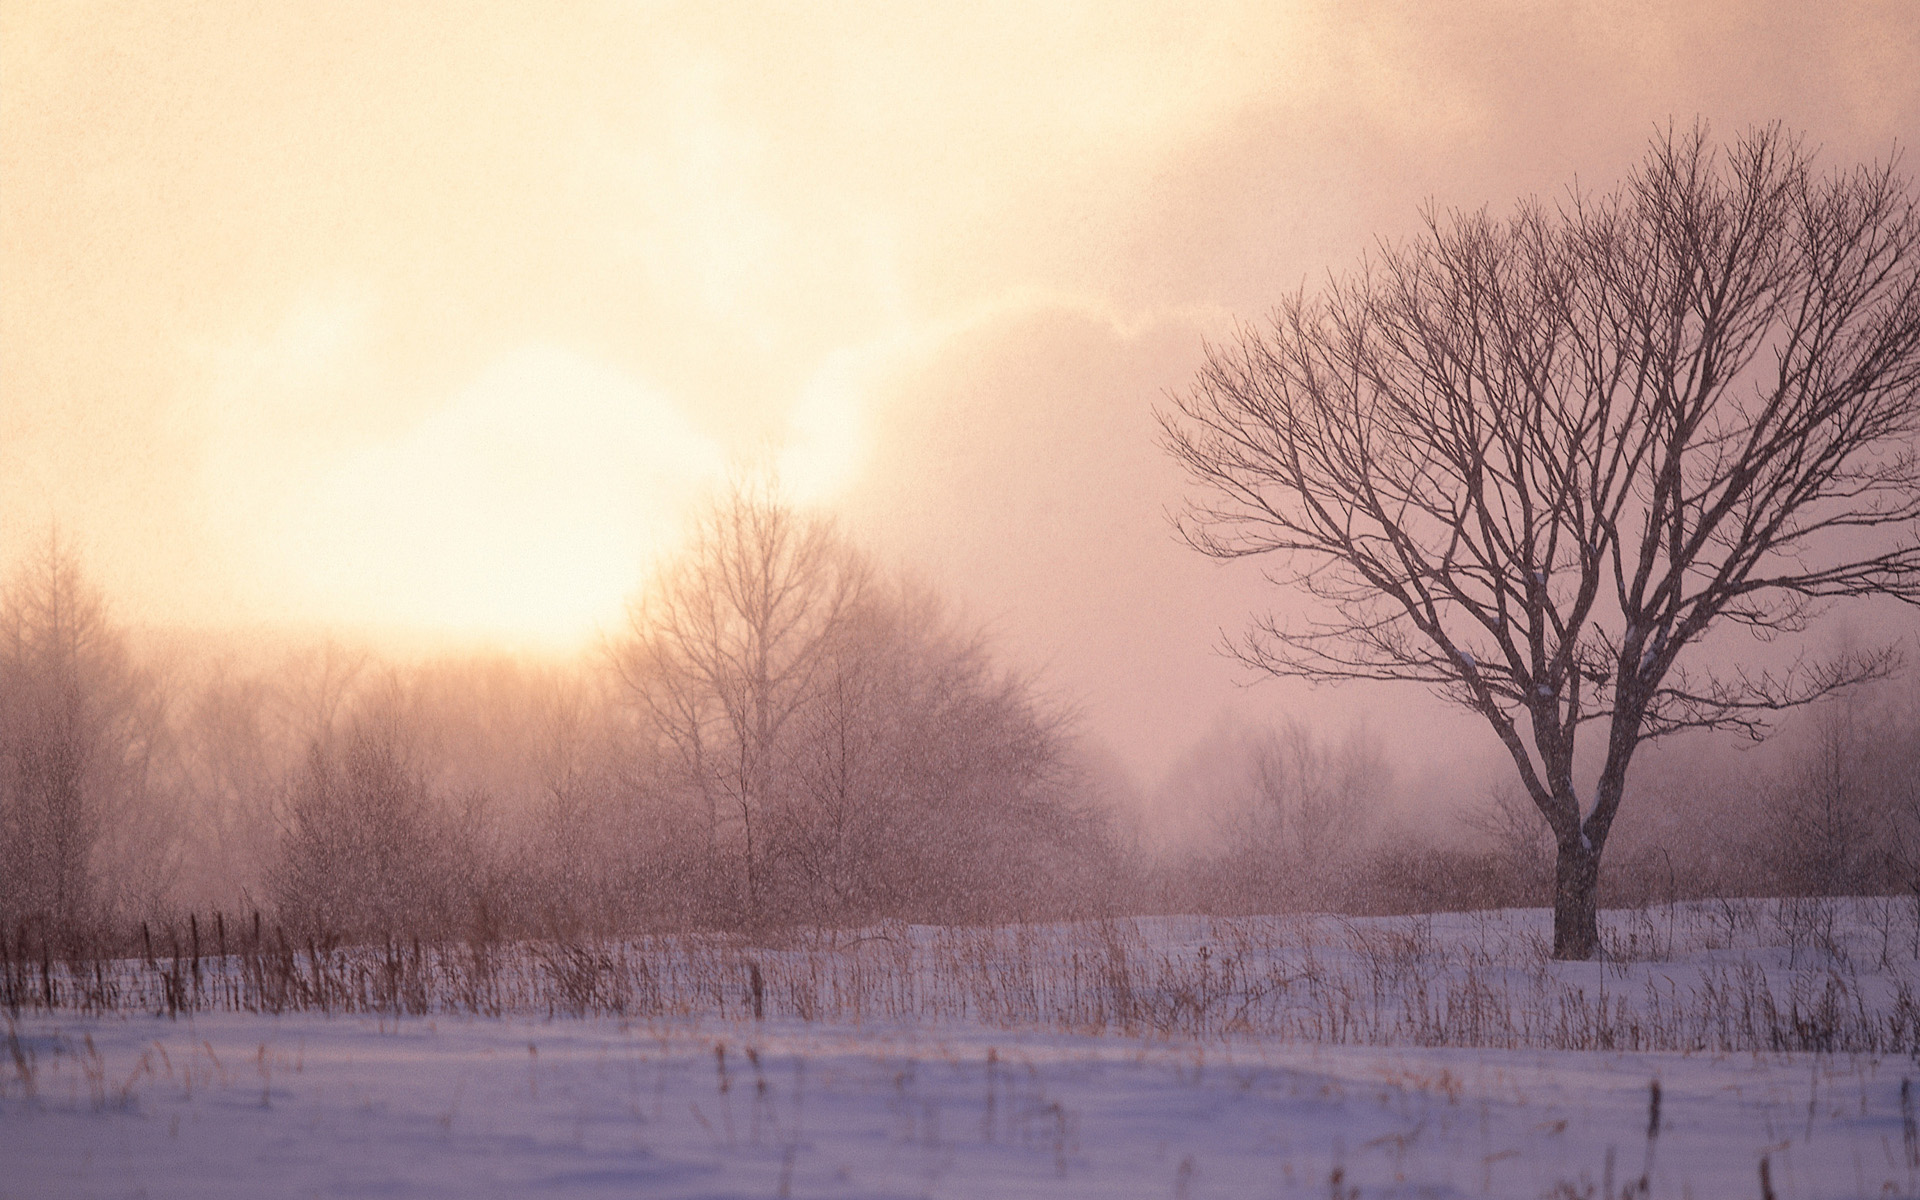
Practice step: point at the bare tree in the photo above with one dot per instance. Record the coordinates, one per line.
(1901, 852)
(367, 845)
(1531, 463)
(231, 773)
(834, 832)
(856, 755)
(1289, 808)
(1321, 794)
(727, 644)
(1827, 803)
(74, 738)
(958, 776)
(1511, 824)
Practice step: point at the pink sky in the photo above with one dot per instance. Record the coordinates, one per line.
(414, 318)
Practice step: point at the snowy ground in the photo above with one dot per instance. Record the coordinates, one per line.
(1322, 1057)
(304, 1105)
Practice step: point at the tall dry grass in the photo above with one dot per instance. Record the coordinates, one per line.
(1732, 975)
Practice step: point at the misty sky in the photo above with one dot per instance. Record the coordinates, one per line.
(434, 319)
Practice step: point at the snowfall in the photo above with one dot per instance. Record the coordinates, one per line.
(709, 1105)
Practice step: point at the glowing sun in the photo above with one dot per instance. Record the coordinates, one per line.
(529, 506)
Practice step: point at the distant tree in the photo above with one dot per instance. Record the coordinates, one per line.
(928, 783)
(1317, 795)
(1289, 809)
(367, 848)
(1829, 803)
(725, 646)
(596, 803)
(231, 769)
(1511, 823)
(1532, 463)
(1900, 853)
(851, 755)
(73, 741)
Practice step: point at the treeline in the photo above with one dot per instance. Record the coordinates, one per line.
(782, 734)
(1296, 820)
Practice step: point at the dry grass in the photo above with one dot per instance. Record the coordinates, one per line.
(1809, 975)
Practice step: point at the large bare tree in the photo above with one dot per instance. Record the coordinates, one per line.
(1533, 462)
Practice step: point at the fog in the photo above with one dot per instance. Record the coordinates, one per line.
(428, 333)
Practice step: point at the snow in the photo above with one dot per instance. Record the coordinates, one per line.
(244, 1104)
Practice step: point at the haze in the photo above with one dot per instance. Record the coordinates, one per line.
(432, 323)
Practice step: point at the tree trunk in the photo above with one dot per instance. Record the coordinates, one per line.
(1576, 907)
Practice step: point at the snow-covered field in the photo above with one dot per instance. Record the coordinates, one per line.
(222, 1103)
